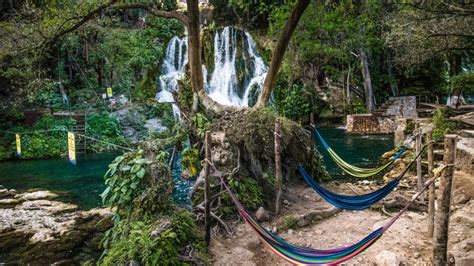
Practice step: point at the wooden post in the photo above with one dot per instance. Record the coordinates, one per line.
(431, 197)
(440, 240)
(419, 175)
(278, 174)
(207, 170)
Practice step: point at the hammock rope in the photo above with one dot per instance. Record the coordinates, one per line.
(304, 256)
(358, 202)
(354, 170)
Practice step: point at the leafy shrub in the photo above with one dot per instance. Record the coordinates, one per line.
(294, 104)
(358, 106)
(289, 222)
(139, 242)
(248, 192)
(202, 124)
(441, 125)
(52, 143)
(191, 161)
(105, 128)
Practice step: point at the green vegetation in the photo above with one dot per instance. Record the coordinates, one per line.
(441, 125)
(289, 222)
(46, 138)
(153, 242)
(106, 128)
(148, 228)
(50, 140)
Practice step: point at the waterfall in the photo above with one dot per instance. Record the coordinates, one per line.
(235, 53)
(235, 78)
(172, 70)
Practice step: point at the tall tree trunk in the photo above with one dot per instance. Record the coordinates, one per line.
(194, 51)
(279, 52)
(369, 94)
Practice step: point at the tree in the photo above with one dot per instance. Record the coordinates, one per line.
(279, 52)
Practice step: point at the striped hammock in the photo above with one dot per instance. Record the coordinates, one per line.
(306, 256)
(358, 202)
(354, 170)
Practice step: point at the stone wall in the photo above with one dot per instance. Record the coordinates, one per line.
(370, 124)
(402, 107)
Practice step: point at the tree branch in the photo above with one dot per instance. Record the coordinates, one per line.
(181, 16)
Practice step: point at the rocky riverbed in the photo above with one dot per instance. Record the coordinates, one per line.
(36, 228)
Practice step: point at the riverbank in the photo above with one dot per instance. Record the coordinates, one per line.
(35, 227)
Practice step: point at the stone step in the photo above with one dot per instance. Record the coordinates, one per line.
(466, 133)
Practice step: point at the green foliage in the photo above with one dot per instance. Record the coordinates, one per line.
(202, 124)
(191, 161)
(293, 102)
(43, 144)
(138, 241)
(164, 111)
(106, 128)
(464, 82)
(358, 107)
(441, 125)
(289, 222)
(125, 179)
(248, 192)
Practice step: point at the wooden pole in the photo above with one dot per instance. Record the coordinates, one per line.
(431, 197)
(207, 170)
(440, 240)
(419, 175)
(278, 174)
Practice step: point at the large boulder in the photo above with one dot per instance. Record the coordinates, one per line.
(132, 122)
(155, 125)
(35, 229)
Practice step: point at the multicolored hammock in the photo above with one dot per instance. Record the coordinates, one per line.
(354, 170)
(307, 256)
(358, 202)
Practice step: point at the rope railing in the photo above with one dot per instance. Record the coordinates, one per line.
(65, 130)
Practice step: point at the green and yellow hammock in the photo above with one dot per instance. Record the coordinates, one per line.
(354, 170)
(306, 256)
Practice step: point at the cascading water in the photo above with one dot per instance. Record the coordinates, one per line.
(239, 70)
(235, 76)
(173, 66)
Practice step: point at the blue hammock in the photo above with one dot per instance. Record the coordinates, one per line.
(358, 202)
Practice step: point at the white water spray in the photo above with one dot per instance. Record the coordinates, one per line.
(225, 85)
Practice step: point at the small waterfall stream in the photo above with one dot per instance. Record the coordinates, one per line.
(235, 76)
(173, 69)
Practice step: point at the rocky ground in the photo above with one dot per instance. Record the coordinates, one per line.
(36, 229)
(406, 242)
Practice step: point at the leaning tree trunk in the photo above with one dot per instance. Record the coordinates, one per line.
(279, 52)
(369, 94)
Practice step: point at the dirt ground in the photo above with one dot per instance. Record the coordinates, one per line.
(405, 243)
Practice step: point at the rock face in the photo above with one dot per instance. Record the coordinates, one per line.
(155, 125)
(131, 121)
(465, 151)
(34, 228)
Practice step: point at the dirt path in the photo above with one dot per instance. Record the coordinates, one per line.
(404, 243)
